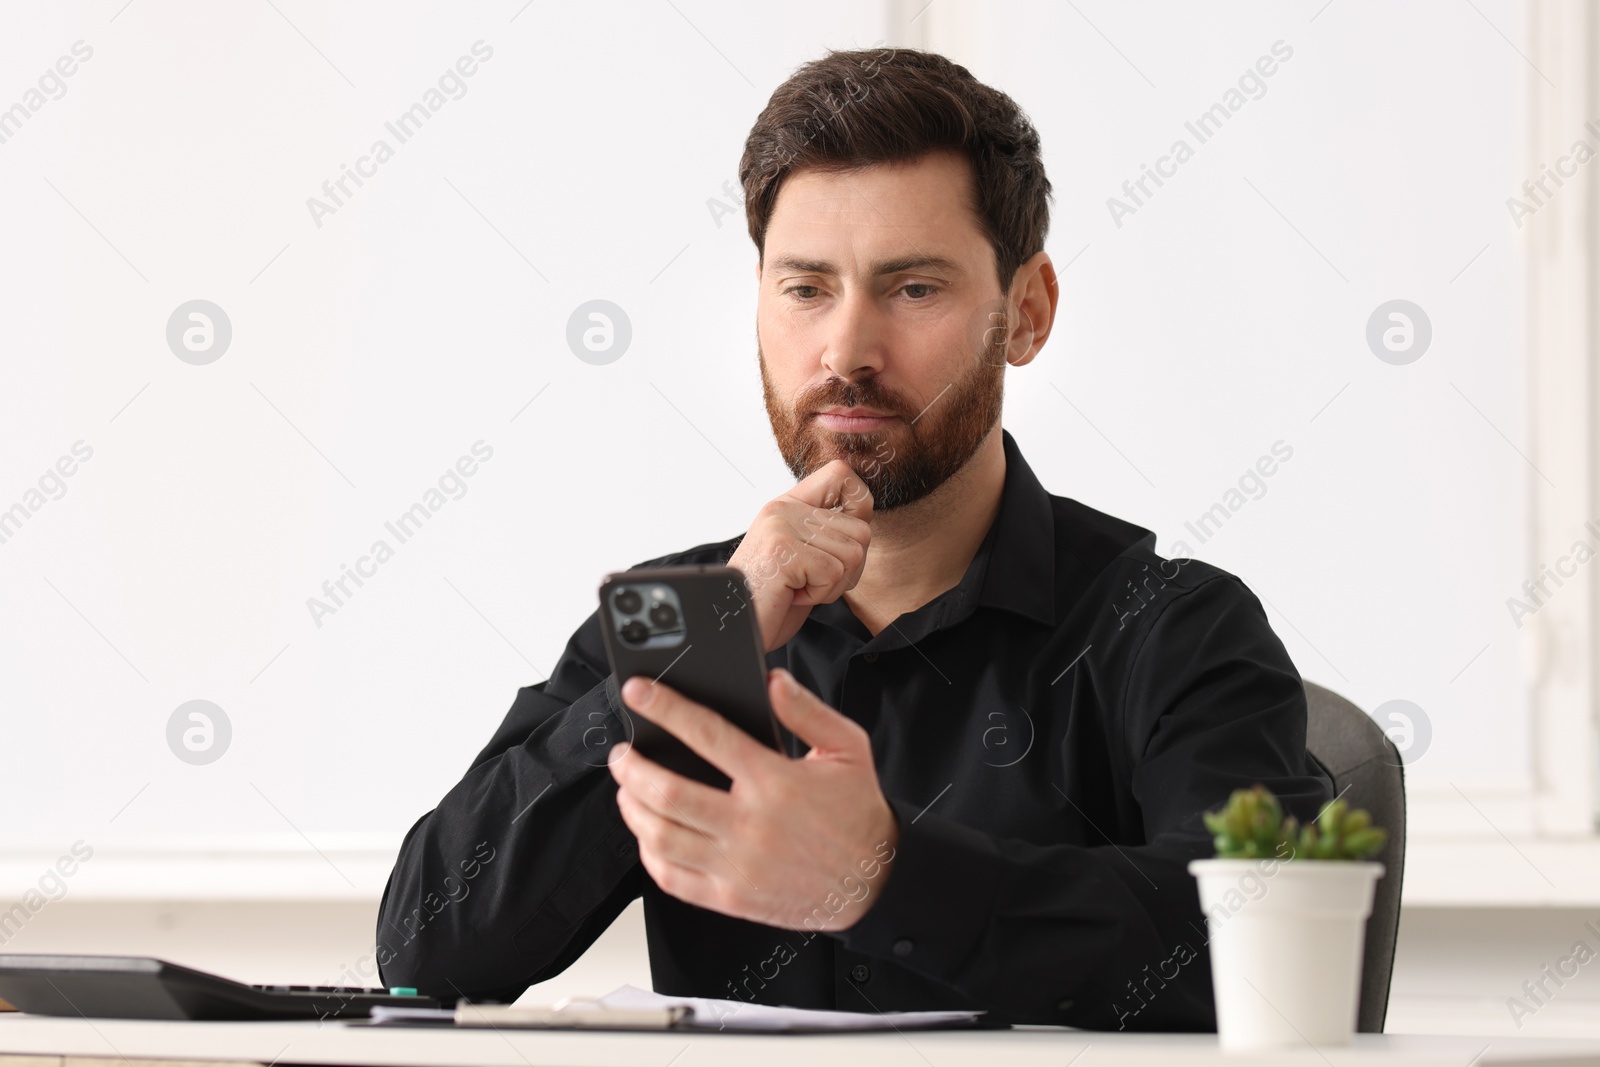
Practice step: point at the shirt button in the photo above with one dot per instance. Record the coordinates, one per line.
(859, 973)
(903, 947)
(870, 657)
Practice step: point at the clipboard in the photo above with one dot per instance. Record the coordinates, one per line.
(633, 1009)
(576, 1013)
(569, 1013)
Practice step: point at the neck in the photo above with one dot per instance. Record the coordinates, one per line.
(923, 549)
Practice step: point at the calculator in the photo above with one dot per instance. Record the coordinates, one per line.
(137, 987)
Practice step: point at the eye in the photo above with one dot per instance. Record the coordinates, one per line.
(794, 290)
(919, 285)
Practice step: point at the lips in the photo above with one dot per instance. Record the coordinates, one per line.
(853, 420)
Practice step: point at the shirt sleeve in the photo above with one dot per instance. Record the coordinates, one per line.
(1110, 935)
(526, 861)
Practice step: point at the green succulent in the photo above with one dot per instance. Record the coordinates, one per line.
(1252, 825)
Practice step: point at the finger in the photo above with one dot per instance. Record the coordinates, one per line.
(810, 568)
(817, 577)
(845, 537)
(834, 531)
(667, 841)
(835, 484)
(847, 549)
(809, 718)
(690, 886)
(670, 795)
(818, 523)
(715, 739)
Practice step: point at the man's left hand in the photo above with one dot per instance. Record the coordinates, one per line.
(792, 839)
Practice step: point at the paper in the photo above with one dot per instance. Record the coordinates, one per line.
(712, 1014)
(626, 1004)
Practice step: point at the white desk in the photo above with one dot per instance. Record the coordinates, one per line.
(71, 1041)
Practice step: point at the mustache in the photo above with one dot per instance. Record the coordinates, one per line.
(837, 392)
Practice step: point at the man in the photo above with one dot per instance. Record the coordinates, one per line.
(1004, 711)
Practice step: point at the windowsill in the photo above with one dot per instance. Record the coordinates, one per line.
(209, 877)
(1484, 873)
(1440, 873)
(262, 867)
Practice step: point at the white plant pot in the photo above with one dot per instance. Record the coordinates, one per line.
(1286, 939)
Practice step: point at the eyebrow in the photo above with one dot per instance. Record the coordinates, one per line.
(801, 265)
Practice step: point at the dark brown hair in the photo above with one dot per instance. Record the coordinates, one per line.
(854, 109)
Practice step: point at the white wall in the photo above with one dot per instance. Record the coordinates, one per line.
(369, 355)
(372, 351)
(1229, 313)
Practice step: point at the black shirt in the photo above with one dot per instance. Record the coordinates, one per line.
(1047, 732)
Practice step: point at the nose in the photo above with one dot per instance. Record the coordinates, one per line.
(853, 347)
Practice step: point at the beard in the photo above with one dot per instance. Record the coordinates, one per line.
(907, 459)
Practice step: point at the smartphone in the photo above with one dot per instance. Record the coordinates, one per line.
(693, 628)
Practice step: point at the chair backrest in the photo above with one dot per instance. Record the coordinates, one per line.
(1365, 766)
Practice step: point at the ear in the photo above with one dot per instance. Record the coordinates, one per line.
(1036, 292)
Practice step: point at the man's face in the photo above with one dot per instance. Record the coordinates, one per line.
(878, 292)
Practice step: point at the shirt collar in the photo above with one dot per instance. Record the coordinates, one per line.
(1018, 556)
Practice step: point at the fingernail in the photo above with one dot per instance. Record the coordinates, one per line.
(618, 750)
(638, 692)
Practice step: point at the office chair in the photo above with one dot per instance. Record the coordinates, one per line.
(1356, 754)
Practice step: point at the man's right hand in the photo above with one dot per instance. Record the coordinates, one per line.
(806, 547)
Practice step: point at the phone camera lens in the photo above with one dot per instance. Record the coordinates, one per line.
(628, 601)
(635, 632)
(663, 616)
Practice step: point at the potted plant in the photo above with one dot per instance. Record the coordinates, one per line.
(1286, 911)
